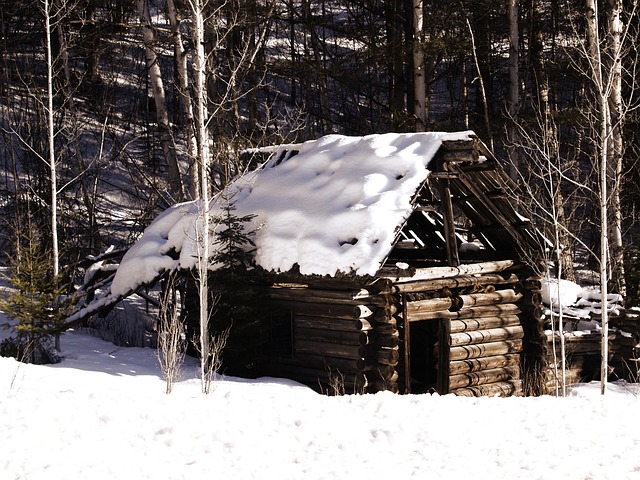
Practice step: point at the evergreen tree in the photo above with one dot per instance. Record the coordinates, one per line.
(36, 301)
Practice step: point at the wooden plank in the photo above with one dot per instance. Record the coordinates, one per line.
(471, 324)
(451, 242)
(486, 336)
(481, 377)
(483, 363)
(444, 357)
(406, 343)
(493, 209)
(485, 349)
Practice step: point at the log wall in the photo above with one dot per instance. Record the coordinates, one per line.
(484, 325)
(466, 332)
(344, 340)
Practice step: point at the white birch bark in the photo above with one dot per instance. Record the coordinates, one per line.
(186, 108)
(199, 68)
(420, 92)
(615, 151)
(597, 78)
(51, 143)
(514, 87)
(159, 96)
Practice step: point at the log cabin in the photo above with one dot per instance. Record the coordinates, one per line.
(399, 262)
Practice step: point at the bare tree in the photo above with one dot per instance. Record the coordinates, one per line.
(171, 333)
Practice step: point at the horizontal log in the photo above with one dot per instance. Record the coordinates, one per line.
(493, 375)
(462, 144)
(470, 312)
(493, 298)
(325, 362)
(383, 386)
(502, 389)
(384, 371)
(382, 340)
(374, 376)
(350, 312)
(483, 323)
(463, 281)
(483, 363)
(486, 311)
(460, 156)
(325, 348)
(433, 273)
(486, 336)
(328, 323)
(430, 305)
(384, 356)
(317, 309)
(335, 297)
(366, 324)
(326, 335)
(485, 350)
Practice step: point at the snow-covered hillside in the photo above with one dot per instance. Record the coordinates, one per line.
(102, 414)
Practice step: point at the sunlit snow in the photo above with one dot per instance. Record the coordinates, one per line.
(102, 414)
(328, 205)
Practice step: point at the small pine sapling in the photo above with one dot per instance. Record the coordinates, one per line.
(36, 302)
(235, 313)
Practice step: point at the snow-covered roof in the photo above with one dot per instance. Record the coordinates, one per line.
(330, 205)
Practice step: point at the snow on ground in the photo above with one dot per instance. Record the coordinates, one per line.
(102, 414)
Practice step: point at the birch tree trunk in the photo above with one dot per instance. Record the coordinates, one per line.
(514, 88)
(186, 108)
(55, 253)
(200, 92)
(159, 96)
(420, 92)
(602, 117)
(615, 151)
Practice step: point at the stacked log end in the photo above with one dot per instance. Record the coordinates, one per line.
(582, 350)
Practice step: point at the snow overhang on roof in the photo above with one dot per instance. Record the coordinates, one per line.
(330, 205)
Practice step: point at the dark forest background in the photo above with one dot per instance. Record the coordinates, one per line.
(523, 75)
